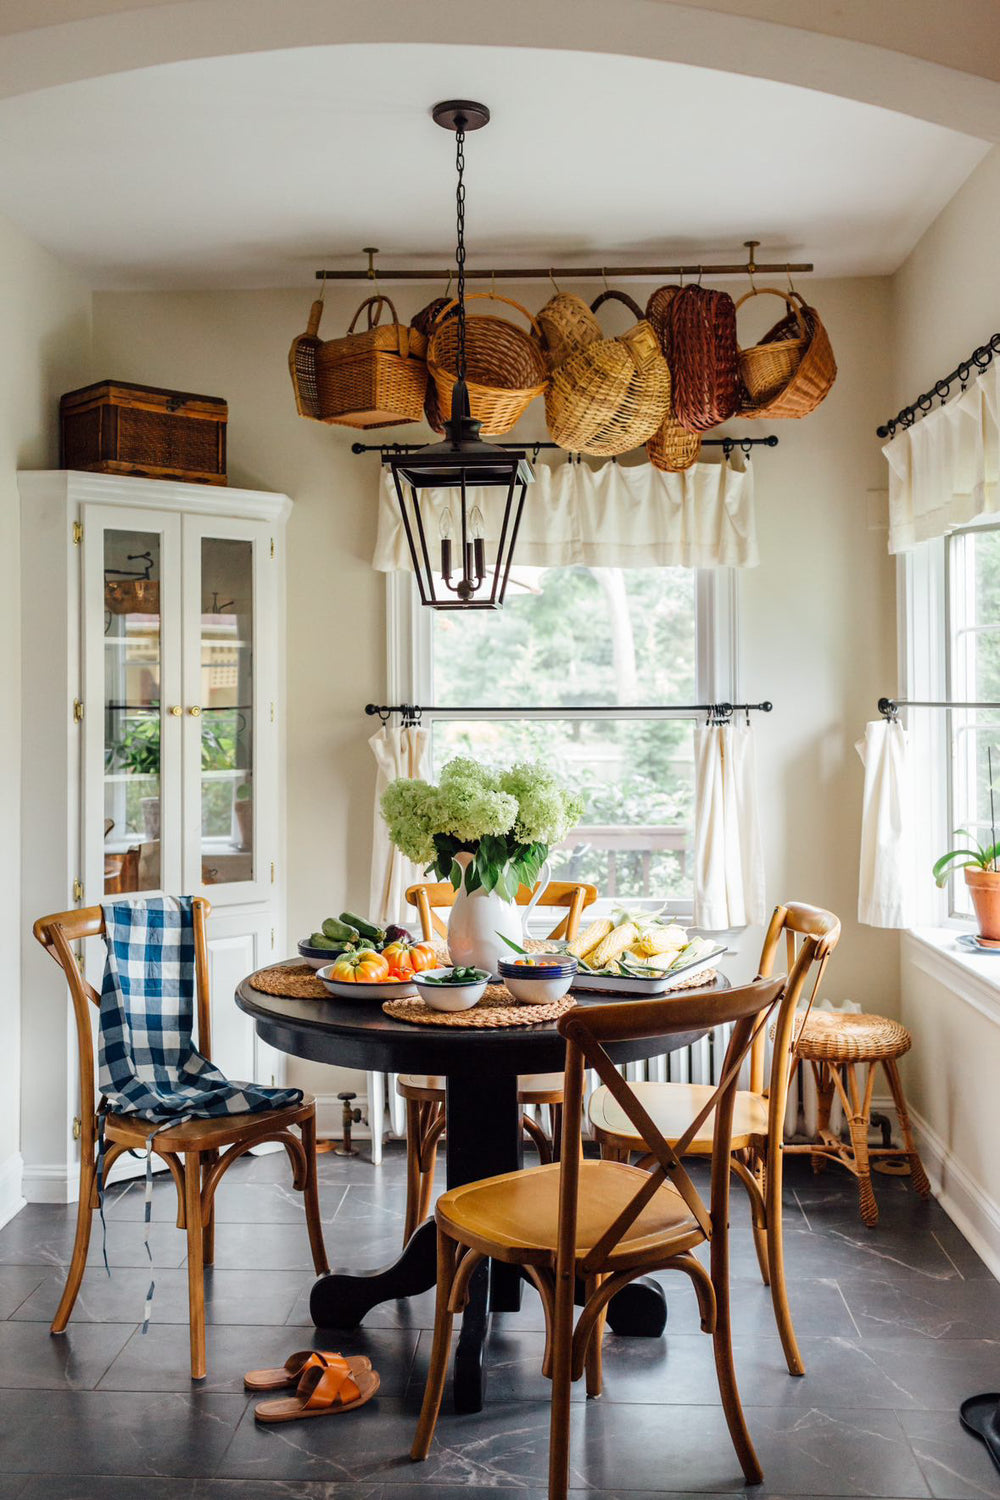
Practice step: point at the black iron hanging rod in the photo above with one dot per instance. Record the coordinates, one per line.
(889, 707)
(728, 444)
(414, 711)
(980, 359)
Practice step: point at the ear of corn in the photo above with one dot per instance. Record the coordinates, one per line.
(614, 944)
(590, 937)
(660, 940)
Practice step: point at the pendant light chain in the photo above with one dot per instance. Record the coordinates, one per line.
(460, 246)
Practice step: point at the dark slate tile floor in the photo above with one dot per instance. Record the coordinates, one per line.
(896, 1326)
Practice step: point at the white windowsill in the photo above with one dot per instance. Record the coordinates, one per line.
(974, 977)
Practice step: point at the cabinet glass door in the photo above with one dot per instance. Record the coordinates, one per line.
(223, 649)
(132, 662)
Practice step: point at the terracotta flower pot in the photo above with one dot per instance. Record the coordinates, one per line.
(984, 887)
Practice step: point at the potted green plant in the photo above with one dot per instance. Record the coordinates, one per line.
(982, 871)
(139, 753)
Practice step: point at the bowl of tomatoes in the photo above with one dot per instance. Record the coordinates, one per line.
(537, 978)
(368, 974)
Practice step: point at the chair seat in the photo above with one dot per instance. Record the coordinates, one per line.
(206, 1135)
(532, 1088)
(840, 1039)
(672, 1107)
(515, 1217)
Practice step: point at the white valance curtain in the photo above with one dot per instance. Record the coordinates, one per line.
(398, 753)
(728, 855)
(612, 517)
(944, 471)
(886, 888)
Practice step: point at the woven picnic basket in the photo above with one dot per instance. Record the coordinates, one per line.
(611, 395)
(506, 368)
(376, 378)
(423, 322)
(567, 324)
(700, 327)
(813, 376)
(767, 367)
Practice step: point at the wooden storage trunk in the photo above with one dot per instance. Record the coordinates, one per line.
(113, 427)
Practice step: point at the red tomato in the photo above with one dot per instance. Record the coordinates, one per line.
(407, 959)
(363, 966)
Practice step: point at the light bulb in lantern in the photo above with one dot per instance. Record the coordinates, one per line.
(477, 525)
(444, 529)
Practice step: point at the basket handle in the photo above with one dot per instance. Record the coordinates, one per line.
(491, 297)
(611, 295)
(373, 306)
(315, 313)
(794, 301)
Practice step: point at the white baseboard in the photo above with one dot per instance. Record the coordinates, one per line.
(50, 1184)
(965, 1202)
(11, 1188)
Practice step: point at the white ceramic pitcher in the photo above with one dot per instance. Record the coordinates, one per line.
(478, 919)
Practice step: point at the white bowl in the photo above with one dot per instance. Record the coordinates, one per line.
(316, 958)
(347, 990)
(536, 989)
(449, 996)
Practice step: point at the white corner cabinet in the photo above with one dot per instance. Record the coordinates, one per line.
(153, 748)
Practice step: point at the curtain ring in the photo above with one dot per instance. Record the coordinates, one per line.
(536, 449)
(383, 715)
(728, 445)
(746, 444)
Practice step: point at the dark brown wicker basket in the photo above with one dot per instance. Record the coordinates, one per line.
(423, 322)
(698, 335)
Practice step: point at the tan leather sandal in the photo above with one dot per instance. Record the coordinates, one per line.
(324, 1390)
(291, 1371)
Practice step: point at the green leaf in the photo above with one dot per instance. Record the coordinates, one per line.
(510, 943)
(473, 880)
(967, 857)
(455, 875)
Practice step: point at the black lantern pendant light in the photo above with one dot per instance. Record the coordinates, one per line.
(462, 461)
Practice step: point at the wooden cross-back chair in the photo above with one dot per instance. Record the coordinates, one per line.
(425, 1093)
(433, 896)
(603, 1223)
(197, 1152)
(759, 1112)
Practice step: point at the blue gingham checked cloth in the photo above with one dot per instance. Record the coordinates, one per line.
(149, 1065)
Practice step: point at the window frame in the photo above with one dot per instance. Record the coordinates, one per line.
(409, 665)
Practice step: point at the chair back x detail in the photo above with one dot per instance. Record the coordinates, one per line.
(430, 897)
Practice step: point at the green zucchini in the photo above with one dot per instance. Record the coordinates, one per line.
(367, 929)
(340, 931)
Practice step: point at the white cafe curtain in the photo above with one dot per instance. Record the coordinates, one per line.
(886, 893)
(944, 471)
(398, 753)
(613, 517)
(728, 856)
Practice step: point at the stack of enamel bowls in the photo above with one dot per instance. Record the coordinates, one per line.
(547, 977)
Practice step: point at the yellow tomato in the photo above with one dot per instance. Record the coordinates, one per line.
(407, 959)
(364, 966)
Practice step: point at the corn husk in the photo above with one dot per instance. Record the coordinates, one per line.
(613, 946)
(590, 937)
(654, 940)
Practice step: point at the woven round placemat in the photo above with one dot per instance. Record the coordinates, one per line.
(496, 1008)
(292, 981)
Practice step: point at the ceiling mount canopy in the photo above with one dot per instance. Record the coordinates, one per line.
(462, 461)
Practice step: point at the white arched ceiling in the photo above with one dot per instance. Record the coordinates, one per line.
(257, 169)
(934, 61)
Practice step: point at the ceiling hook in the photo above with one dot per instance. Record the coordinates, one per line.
(553, 281)
(604, 278)
(701, 272)
(447, 285)
(751, 246)
(791, 284)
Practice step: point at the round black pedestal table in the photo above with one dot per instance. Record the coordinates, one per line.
(483, 1139)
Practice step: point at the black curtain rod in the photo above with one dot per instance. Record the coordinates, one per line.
(729, 444)
(980, 359)
(889, 707)
(413, 711)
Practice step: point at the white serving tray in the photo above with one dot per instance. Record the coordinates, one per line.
(637, 989)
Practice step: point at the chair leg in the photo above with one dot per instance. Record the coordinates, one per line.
(310, 1195)
(413, 1173)
(562, 1384)
(759, 1221)
(724, 1368)
(774, 1239)
(440, 1348)
(208, 1160)
(917, 1174)
(555, 1128)
(196, 1265)
(824, 1098)
(858, 1125)
(594, 1365)
(81, 1244)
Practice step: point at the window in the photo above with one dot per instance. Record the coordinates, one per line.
(569, 640)
(972, 577)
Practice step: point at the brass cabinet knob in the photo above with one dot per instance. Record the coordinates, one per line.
(176, 710)
(195, 710)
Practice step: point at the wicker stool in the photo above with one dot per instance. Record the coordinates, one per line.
(834, 1045)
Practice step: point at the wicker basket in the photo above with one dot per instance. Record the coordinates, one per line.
(506, 368)
(611, 395)
(767, 367)
(672, 447)
(423, 322)
(815, 374)
(376, 378)
(567, 325)
(658, 314)
(701, 352)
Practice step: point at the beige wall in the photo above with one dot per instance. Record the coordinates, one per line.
(817, 620)
(44, 350)
(945, 302)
